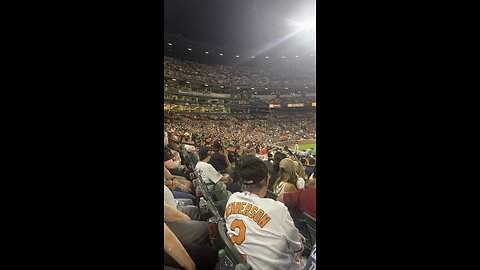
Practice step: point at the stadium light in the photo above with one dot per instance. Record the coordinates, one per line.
(189, 49)
(221, 54)
(296, 56)
(206, 52)
(237, 56)
(283, 57)
(170, 44)
(305, 25)
(266, 57)
(253, 57)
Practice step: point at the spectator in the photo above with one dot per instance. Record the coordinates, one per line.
(183, 205)
(261, 229)
(219, 160)
(302, 177)
(171, 159)
(193, 235)
(304, 200)
(208, 173)
(277, 157)
(310, 166)
(177, 183)
(174, 252)
(287, 178)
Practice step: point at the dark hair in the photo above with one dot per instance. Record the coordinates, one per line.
(276, 160)
(253, 187)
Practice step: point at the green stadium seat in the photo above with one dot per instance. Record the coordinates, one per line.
(312, 228)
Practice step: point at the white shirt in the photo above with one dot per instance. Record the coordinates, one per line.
(300, 183)
(168, 197)
(272, 240)
(207, 172)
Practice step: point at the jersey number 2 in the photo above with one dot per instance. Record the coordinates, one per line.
(238, 239)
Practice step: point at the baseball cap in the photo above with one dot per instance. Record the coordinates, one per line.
(253, 170)
(203, 152)
(217, 145)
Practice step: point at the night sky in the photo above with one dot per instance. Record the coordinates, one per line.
(242, 24)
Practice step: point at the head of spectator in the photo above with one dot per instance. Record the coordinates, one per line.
(264, 151)
(186, 136)
(217, 146)
(245, 153)
(279, 156)
(311, 162)
(303, 161)
(254, 175)
(300, 171)
(174, 143)
(287, 173)
(165, 138)
(204, 154)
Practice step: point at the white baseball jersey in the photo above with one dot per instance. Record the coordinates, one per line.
(208, 172)
(263, 232)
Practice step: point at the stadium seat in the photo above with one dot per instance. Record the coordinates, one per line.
(312, 228)
(213, 209)
(219, 205)
(230, 249)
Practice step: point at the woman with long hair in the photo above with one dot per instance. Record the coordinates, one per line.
(277, 157)
(287, 178)
(302, 176)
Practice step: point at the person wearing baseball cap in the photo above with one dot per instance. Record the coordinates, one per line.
(207, 172)
(219, 159)
(261, 228)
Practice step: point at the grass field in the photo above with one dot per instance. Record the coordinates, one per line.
(304, 147)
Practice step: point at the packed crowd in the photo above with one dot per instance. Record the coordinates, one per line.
(238, 153)
(255, 128)
(235, 76)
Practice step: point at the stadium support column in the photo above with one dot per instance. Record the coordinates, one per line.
(248, 110)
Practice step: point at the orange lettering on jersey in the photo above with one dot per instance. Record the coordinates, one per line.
(247, 208)
(228, 210)
(238, 239)
(252, 213)
(244, 257)
(264, 221)
(258, 215)
(232, 208)
(243, 207)
(238, 206)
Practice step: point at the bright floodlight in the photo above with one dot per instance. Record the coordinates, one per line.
(303, 25)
